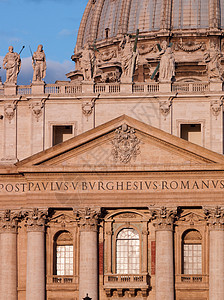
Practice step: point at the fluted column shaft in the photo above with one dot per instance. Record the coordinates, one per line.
(88, 268)
(8, 257)
(35, 280)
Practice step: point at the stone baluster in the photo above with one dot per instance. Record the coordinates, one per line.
(35, 277)
(8, 255)
(215, 218)
(88, 269)
(163, 222)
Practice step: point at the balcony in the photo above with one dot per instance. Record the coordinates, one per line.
(126, 282)
(191, 281)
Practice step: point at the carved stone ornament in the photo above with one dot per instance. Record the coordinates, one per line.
(63, 220)
(35, 219)
(87, 218)
(164, 107)
(9, 111)
(125, 144)
(36, 109)
(190, 46)
(216, 107)
(9, 220)
(87, 108)
(163, 217)
(214, 217)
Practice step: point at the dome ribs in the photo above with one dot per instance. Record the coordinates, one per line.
(166, 15)
(96, 19)
(125, 20)
(214, 14)
(82, 26)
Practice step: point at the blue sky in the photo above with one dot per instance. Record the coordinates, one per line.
(53, 23)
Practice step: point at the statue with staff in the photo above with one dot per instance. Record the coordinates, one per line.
(12, 65)
(39, 64)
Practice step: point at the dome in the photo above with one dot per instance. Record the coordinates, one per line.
(109, 19)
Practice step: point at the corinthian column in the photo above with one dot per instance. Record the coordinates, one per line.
(164, 253)
(215, 218)
(8, 255)
(88, 267)
(35, 277)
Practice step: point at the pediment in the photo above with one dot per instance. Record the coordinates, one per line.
(123, 144)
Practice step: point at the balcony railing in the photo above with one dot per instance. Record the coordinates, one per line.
(190, 87)
(191, 279)
(145, 88)
(119, 280)
(55, 279)
(63, 88)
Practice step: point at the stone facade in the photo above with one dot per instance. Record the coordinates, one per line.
(112, 182)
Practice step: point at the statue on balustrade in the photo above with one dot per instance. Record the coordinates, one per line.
(128, 59)
(39, 64)
(167, 63)
(87, 63)
(213, 61)
(12, 65)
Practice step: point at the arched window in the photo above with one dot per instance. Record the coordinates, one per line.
(128, 252)
(63, 246)
(192, 252)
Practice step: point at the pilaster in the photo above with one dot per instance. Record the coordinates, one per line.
(215, 219)
(8, 254)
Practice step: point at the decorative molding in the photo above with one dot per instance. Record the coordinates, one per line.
(35, 219)
(9, 110)
(125, 144)
(63, 220)
(9, 220)
(163, 217)
(36, 109)
(190, 46)
(215, 217)
(216, 106)
(87, 108)
(87, 218)
(191, 218)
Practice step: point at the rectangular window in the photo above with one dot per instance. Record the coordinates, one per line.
(62, 133)
(191, 133)
(192, 259)
(64, 260)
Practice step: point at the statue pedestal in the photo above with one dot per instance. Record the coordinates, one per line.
(87, 87)
(10, 89)
(165, 87)
(216, 86)
(126, 87)
(38, 87)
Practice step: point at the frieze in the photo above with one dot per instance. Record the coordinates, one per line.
(190, 46)
(160, 185)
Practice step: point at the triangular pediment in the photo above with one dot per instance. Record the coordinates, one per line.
(123, 144)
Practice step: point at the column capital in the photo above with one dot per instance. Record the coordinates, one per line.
(87, 218)
(215, 217)
(9, 220)
(35, 219)
(163, 217)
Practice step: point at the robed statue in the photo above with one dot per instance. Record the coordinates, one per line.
(167, 63)
(12, 65)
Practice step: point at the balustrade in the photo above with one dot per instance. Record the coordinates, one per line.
(129, 280)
